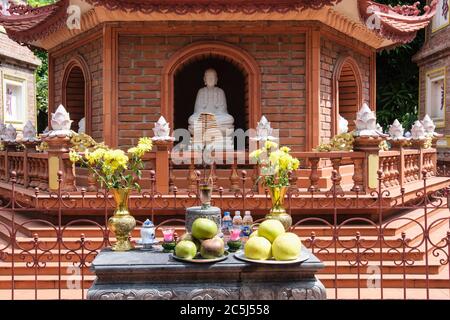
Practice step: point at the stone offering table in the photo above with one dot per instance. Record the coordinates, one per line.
(154, 275)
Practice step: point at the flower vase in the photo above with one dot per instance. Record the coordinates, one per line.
(122, 223)
(278, 212)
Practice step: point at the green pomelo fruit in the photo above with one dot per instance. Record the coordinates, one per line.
(203, 228)
(270, 229)
(186, 249)
(258, 248)
(286, 247)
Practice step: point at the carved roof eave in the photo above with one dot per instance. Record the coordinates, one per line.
(328, 16)
(25, 24)
(183, 7)
(398, 24)
(41, 27)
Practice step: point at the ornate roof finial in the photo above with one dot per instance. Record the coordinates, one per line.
(366, 123)
(10, 134)
(264, 130)
(29, 132)
(60, 123)
(396, 130)
(418, 131)
(161, 131)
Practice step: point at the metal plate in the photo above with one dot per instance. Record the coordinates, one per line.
(241, 256)
(199, 259)
(139, 242)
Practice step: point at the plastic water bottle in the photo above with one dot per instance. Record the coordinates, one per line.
(237, 220)
(247, 225)
(227, 225)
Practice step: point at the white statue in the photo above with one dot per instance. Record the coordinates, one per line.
(60, 123)
(29, 132)
(418, 131)
(10, 134)
(343, 125)
(161, 131)
(211, 99)
(366, 123)
(264, 130)
(82, 125)
(396, 130)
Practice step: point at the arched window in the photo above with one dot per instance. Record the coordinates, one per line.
(347, 92)
(236, 69)
(76, 92)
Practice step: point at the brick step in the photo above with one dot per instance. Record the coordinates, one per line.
(51, 282)
(48, 294)
(51, 268)
(387, 269)
(385, 256)
(67, 256)
(329, 281)
(394, 228)
(413, 234)
(21, 270)
(40, 228)
(44, 282)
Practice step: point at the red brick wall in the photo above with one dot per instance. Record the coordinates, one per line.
(330, 53)
(92, 54)
(280, 57)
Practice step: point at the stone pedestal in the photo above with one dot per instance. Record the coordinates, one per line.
(212, 213)
(143, 275)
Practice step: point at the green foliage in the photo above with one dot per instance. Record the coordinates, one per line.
(398, 81)
(41, 77)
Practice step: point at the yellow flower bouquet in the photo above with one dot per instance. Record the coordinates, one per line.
(119, 172)
(115, 168)
(275, 166)
(276, 163)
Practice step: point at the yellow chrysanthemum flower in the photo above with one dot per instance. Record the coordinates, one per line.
(255, 155)
(74, 156)
(270, 145)
(285, 149)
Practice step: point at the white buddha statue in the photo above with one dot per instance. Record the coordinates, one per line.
(211, 99)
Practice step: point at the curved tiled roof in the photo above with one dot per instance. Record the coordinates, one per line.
(399, 23)
(25, 23)
(214, 7)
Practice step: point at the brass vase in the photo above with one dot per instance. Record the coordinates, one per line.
(278, 212)
(122, 223)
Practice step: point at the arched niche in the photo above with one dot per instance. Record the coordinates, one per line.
(347, 92)
(213, 54)
(76, 92)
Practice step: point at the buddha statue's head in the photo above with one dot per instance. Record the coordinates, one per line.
(210, 78)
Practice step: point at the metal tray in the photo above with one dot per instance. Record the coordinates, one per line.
(199, 259)
(241, 256)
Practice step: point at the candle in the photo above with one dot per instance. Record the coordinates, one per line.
(235, 233)
(168, 234)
